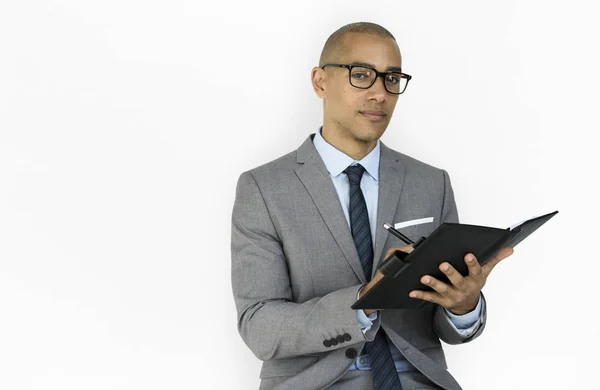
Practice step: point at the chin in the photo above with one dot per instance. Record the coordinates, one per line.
(368, 136)
(369, 133)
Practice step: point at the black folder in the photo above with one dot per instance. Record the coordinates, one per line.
(450, 242)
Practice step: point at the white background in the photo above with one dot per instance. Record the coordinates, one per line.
(124, 126)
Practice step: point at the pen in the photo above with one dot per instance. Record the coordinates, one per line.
(396, 233)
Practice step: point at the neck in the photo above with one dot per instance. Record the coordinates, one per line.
(356, 148)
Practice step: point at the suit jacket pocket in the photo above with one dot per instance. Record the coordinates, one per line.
(288, 366)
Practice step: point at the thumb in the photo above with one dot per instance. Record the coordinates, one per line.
(405, 248)
(498, 257)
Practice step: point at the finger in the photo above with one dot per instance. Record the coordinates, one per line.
(441, 287)
(473, 265)
(426, 296)
(453, 275)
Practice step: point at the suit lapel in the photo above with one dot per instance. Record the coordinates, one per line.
(316, 179)
(391, 179)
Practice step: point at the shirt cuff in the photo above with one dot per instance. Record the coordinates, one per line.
(365, 321)
(468, 320)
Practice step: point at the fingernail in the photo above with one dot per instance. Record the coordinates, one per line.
(444, 267)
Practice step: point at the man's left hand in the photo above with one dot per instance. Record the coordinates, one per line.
(462, 296)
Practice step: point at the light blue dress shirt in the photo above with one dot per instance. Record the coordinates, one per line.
(336, 161)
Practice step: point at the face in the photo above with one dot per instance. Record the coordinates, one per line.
(345, 106)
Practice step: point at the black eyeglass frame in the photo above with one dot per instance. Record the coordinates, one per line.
(377, 74)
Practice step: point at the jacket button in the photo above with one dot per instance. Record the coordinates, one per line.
(333, 341)
(340, 339)
(351, 353)
(327, 343)
(347, 337)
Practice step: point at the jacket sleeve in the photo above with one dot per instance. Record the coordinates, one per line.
(271, 324)
(442, 324)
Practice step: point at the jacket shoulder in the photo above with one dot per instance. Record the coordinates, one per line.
(413, 165)
(275, 170)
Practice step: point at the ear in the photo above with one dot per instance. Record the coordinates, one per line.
(318, 76)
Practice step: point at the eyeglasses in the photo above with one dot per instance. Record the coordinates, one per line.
(364, 77)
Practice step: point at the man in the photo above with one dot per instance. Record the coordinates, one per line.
(307, 236)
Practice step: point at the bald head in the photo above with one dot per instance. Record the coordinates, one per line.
(335, 48)
(355, 118)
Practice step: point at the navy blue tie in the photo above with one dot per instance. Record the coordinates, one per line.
(383, 369)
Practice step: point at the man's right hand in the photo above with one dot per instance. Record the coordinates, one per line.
(378, 275)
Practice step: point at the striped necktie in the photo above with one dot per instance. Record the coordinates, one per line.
(383, 369)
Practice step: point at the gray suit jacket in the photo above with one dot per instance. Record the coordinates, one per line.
(296, 272)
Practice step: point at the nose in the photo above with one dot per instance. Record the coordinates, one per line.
(378, 91)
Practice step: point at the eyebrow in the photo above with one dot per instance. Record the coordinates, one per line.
(389, 69)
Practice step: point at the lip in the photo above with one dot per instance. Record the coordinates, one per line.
(373, 115)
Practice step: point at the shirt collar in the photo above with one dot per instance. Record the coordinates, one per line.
(336, 161)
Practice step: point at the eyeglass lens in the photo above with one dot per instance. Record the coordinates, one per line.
(365, 77)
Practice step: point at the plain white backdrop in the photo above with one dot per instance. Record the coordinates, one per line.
(124, 126)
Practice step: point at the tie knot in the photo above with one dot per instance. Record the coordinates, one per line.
(354, 173)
